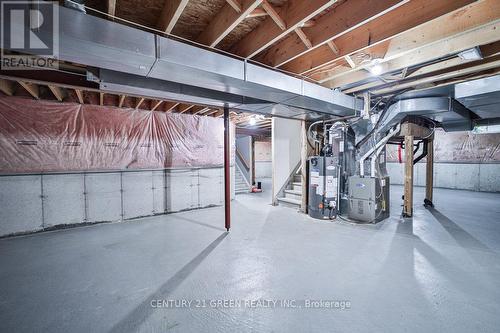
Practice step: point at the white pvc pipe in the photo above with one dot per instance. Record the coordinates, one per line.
(380, 143)
(375, 159)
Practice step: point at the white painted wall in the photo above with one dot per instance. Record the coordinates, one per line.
(286, 141)
(263, 159)
(244, 147)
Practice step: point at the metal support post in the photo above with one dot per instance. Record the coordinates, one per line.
(429, 174)
(227, 170)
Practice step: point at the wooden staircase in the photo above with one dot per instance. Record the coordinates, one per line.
(240, 185)
(292, 194)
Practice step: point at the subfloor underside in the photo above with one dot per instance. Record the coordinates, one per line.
(439, 271)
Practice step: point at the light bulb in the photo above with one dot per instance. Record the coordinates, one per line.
(376, 69)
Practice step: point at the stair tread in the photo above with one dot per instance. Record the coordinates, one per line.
(297, 183)
(297, 192)
(292, 201)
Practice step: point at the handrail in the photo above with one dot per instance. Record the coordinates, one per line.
(245, 163)
(290, 177)
(244, 178)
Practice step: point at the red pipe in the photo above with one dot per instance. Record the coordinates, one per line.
(400, 159)
(227, 171)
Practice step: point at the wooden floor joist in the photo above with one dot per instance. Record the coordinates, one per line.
(344, 18)
(225, 21)
(172, 10)
(140, 100)
(120, 102)
(57, 92)
(79, 95)
(31, 88)
(405, 17)
(7, 87)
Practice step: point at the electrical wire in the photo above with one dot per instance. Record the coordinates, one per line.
(379, 121)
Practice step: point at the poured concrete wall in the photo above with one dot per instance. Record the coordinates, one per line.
(476, 177)
(36, 202)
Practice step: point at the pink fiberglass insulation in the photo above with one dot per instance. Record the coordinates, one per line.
(44, 136)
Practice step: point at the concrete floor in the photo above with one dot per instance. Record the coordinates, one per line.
(439, 272)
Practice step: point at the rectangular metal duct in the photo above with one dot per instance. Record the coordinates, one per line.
(446, 111)
(107, 45)
(481, 96)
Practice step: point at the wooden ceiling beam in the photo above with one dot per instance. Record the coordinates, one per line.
(185, 107)
(172, 10)
(140, 100)
(156, 105)
(235, 4)
(121, 100)
(439, 68)
(31, 88)
(387, 26)
(482, 65)
(490, 49)
(308, 24)
(335, 49)
(202, 110)
(112, 7)
(169, 106)
(225, 21)
(476, 26)
(7, 87)
(350, 61)
(269, 9)
(338, 21)
(212, 112)
(79, 95)
(303, 37)
(294, 13)
(257, 12)
(57, 92)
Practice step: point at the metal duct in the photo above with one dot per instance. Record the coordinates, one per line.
(481, 96)
(78, 5)
(113, 47)
(447, 112)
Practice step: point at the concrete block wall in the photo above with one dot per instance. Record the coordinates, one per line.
(475, 177)
(31, 203)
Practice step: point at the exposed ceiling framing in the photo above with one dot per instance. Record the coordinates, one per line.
(47, 91)
(333, 42)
